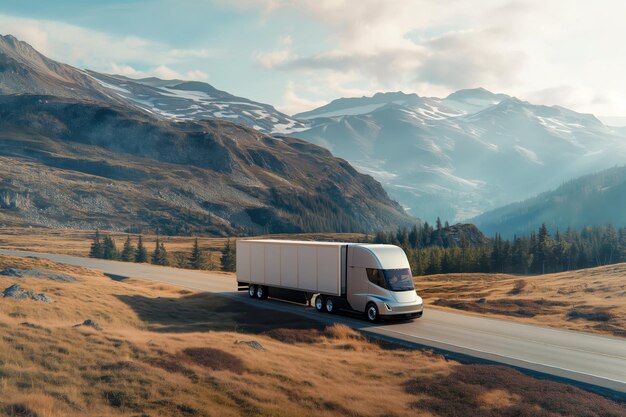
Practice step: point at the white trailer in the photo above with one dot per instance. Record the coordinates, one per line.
(371, 279)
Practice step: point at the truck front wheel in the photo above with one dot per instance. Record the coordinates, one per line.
(371, 311)
(319, 303)
(252, 290)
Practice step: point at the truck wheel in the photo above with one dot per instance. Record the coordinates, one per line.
(319, 303)
(371, 311)
(261, 292)
(330, 305)
(252, 290)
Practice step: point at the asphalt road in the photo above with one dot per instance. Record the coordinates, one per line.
(581, 357)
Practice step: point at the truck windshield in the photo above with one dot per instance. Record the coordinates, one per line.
(399, 279)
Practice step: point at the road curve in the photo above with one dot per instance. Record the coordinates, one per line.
(581, 357)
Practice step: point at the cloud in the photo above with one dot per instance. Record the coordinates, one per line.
(465, 59)
(86, 48)
(274, 58)
(162, 71)
(292, 103)
(432, 48)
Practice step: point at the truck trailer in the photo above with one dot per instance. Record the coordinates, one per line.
(366, 278)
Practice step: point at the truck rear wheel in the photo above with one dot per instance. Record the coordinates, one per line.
(320, 303)
(261, 292)
(371, 311)
(330, 305)
(252, 290)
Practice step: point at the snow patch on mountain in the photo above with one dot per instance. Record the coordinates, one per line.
(180, 100)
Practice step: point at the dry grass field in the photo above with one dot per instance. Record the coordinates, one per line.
(163, 351)
(77, 242)
(592, 300)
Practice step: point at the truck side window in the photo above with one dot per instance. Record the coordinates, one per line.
(376, 277)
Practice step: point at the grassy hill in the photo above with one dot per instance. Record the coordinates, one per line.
(591, 300)
(161, 351)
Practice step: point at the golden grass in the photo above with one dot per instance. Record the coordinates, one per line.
(163, 351)
(592, 300)
(78, 242)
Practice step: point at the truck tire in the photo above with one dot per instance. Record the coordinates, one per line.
(252, 290)
(320, 303)
(261, 292)
(330, 305)
(371, 312)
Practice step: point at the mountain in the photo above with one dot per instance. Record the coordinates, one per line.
(465, 154)
(101, 162)
(193, 100)
(595, 199)
(23, 70)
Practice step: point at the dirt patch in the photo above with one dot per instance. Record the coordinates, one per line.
(507, 307)
(293, 336)
(215, 359)
(463, 392)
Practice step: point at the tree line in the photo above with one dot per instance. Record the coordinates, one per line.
(104, 247)
(431, 251)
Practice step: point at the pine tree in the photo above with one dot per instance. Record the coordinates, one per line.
(163, 260)
(96, 246)
(109, 250)
(414, 237)
(159, 256)
(228, 259)
(128, 253)
(141, 255)
(197, 259)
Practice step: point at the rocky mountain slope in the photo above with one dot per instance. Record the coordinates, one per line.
(193, 100)
(98, 162)
(596, 199)
(465, 154)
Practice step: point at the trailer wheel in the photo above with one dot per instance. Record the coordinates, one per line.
(330, 305)
(252, 290)
(320, 303)
(371, 311)
(261, 292)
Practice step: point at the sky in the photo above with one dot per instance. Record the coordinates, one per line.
(300, 54)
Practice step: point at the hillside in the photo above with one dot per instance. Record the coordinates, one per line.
(100, 163)
(85, 165)
(596, 199)
(459, 156)
(590, 300)
(101, 347)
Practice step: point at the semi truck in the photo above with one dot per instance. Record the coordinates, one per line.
(374, 280)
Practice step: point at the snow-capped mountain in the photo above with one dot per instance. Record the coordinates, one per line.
(462, 155)
(193, 100)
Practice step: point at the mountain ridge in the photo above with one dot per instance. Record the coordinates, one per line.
(593, 199)
(93, 160)
(467, 153)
